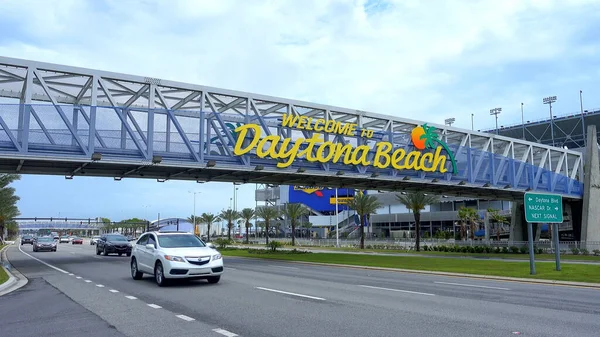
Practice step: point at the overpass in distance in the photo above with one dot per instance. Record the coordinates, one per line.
(63, 120)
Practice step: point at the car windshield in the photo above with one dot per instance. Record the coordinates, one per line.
(45, 240)
(27, 237)
(179, 241)
(116, 238)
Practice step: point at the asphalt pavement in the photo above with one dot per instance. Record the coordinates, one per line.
(270, 298)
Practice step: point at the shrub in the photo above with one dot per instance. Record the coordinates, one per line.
(524, 250)
(596, 252)
(223, 243)
(585, 252)
(514, 249)
(274, 245)
(575, 251)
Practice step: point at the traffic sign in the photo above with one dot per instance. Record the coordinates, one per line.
(543, 208)
(341, 200)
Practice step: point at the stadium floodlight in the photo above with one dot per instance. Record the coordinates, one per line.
(496, 112)
(549, 100)
(449, 121)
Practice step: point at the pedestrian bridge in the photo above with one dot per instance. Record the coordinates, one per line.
(63, 120)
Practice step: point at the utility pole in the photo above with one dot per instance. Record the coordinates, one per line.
(496, 112)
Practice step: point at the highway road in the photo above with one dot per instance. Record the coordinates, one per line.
(267, 298)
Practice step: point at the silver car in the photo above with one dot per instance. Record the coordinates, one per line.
(44, 243)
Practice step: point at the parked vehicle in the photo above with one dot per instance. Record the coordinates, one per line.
(113, 244)
(175, 255)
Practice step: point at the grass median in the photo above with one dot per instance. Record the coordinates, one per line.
(570, 272)
(3, 274)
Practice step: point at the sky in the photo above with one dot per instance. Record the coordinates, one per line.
(426, 60)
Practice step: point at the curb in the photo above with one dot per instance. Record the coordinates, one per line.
(16, 280)
(440, 273)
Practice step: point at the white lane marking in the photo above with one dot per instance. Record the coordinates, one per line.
(99, 286)
(186, 318)
(47, 264)
(397, 290)
(71, 274)
(88, 281)
(288, 293)
(131, 297)
(113, 291)
(225, 332)
(471, 285)
(79, 277)
(276, 266)
(154, 306)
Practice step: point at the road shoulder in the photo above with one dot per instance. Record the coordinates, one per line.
(16, 280)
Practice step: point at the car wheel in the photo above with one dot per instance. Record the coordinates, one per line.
(97, 251)
(214, 279)
(135, 273)
(105, 252)
(159, 275)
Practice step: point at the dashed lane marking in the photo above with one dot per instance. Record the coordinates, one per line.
(47, 264)
(88, 281)
(155, 306)
(99, 286)
(289, 293)
(186, 318)
(397, 290)
(225, 332)
(131, 297)
(471, 285)
(114, 291)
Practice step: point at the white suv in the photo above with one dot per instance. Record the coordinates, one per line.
(175, 255)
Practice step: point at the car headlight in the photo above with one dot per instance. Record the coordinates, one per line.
(217, 257)
(174, 258)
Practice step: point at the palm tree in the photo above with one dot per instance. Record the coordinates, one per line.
(230, 216)
(497, 219)
(247, 215)
(194, 219)
(267, 213)
(292, 212)
(209, 219)
(431, 138)
(364, 205)
(8, 201)
(416, 201)
(467, 216)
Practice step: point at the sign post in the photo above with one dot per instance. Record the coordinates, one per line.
(543, 208)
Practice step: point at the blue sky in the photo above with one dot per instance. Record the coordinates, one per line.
(431, 59)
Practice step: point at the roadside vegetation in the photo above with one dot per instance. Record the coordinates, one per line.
(8, 206)
(570, 272)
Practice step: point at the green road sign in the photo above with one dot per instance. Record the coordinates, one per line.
(543, 208)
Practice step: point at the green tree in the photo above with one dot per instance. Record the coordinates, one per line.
(416, 201)
(209, 219)
(267, 213)
(497, 219)
(8, 201)
(230, 216)
(364, 205)
(467, 216)
(247, 214)
(293, 212)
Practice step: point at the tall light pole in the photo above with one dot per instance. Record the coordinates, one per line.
(472, 124)
(549, 100)
(496, 112)
(337, 221)
(194, 214)
(523, 121)
(582, 118)
(449, 121)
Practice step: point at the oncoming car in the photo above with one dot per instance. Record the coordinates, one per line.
(175, 255)
(44, 243)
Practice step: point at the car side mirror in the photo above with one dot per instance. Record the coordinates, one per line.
(211, 245)
(149, 246)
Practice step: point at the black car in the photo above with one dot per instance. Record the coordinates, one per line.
(113, 244)
(27, 239)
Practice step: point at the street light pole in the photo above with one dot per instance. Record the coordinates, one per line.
(523, 121)
(337, 221)
(449, 121)
(472, 124)
(549, 100)
(582, 118)
(496, 112)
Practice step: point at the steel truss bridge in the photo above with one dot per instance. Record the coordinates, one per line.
(70, 121)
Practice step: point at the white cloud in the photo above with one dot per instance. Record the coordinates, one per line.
(406, 58)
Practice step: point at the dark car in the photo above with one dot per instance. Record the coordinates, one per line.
(113, 244)
(27, 239)
(44, 243)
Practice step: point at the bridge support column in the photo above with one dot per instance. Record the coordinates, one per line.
(590, 222)
(517, 222)
(486, 224)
